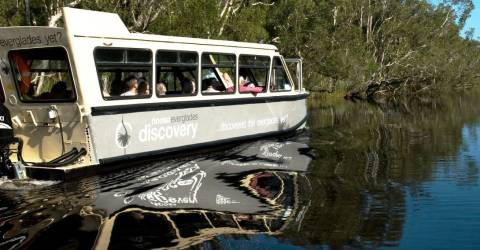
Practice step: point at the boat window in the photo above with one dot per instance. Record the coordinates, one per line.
(124, 73)
(42, 75)
(177, 73)
(109, 55)
(279, 80)
(253, 73)
(218, 73)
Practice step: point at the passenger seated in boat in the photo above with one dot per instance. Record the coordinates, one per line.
(188, 86)
(161, 89)
(243, 78)
(117, 86)
(143, 87)
(132, 86)
(212, 85)
(246, 86)
(210, 89)
(250, 88)
(210, 82)
(59, 90)
(229, 88)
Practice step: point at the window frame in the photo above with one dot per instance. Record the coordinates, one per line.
(157, 64)
(287, 74)
(132, 65)
(13, 67)
(268, 76)
(235, 67)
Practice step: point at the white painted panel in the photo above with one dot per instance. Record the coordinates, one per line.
(133, 133)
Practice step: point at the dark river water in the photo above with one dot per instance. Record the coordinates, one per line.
(398, 175)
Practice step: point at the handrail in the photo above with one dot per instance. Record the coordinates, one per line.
(32, 116)
(299, 71)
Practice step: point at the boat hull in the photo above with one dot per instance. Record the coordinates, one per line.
(125, 132)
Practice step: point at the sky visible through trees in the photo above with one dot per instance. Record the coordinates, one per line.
(473, 21)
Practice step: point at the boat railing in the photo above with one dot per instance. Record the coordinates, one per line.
(297, 65)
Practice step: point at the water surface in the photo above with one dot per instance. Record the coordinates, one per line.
(397, 175)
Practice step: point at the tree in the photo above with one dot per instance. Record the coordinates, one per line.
(364, 46)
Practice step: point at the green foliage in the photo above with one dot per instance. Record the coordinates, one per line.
(192, 18)
(11, 13)
(397, 46)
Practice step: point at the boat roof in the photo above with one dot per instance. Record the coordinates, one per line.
(95, 24)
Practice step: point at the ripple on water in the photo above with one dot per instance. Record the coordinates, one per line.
(29, 184)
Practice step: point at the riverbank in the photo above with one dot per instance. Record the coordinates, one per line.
(377, 94)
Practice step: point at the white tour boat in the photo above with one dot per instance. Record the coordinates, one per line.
(93, 93)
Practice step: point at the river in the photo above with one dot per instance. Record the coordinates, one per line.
(401, 175)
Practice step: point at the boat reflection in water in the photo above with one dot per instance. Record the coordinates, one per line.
(250, 191)
(257, 188)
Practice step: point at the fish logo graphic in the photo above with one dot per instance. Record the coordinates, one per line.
(272, 150)
(175, 186)
(123, 134)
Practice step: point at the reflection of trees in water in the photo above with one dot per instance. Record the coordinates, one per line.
(142, 228)
(367, 154)
(49, 217)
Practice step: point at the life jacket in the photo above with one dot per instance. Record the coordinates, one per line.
(25, 74)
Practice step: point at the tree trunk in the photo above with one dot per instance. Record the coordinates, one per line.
(27, 13)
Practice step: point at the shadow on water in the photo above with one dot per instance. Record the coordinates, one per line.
(250, 189)
(383, 176)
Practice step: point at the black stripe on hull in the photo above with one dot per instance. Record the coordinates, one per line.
(125, 109)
